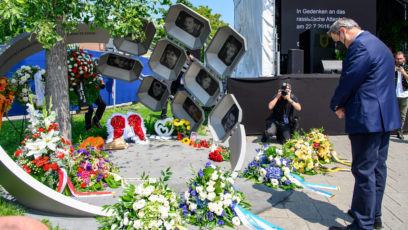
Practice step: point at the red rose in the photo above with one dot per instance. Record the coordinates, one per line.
(46, 167)
(41, 130)
(54, 166)
(61, 156)
(83, 185)
(26, 169)
(80, 170)
(18, 152)
(36, 135)
(315, 145)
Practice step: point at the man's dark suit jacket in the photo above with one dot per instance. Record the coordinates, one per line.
(366, 87)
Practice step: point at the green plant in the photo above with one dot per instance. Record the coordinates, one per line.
(8, 208)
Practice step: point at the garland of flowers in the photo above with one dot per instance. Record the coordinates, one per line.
(21, 82)
(150, 205)
(6, 97)
(43, 151)
(211, 199)
(270, 168)
(92, 170)
(81, 66)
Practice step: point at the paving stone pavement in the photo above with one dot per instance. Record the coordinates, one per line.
(300, 209)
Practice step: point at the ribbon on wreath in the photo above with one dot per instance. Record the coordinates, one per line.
(252, 221)
(64, 181)
(314, 187)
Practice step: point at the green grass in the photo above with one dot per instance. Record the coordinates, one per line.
(8, 208)
(10, 137)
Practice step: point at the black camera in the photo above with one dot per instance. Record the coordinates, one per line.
(400, 65)
(284, 92)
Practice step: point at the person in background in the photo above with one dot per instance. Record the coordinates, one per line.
(89, 121)
(281, 120)
(401, 83)
(365, 97)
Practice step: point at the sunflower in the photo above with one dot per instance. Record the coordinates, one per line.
(186, 140)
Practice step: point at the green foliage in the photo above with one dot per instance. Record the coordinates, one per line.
(394, 34)
(8, 208)
(119, 17)
(49, 225)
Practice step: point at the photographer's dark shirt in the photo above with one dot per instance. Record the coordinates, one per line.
(282, 107)
(404, 80)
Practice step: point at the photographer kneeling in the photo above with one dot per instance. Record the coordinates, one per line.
(281, 120)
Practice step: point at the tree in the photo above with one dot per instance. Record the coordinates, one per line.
(52, 20)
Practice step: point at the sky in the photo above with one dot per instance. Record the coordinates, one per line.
(223, 7)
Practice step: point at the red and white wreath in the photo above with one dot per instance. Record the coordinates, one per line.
(137, 128)
(126, 126)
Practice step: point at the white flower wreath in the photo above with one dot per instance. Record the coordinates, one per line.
(21, 83)
(111, 130)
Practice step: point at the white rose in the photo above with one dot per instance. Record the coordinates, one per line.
(24, 90)
(274, 182)
(283, 179)
(192, 206)
(137, 224)
(75, 65)
(210, 189)
(222, 185)
(13, 81)
(212, 207)
(257, 158)
(203, 196)
(126, 221)
(261, 178)
(230, 180)
(236, 221)
(210, 183)
(218, 210)
(186, 195)
(214, 176)
(262, 172)
(279, 152)
(228, 196)
(139, 204)
(153, 198)
(25, 99)
(199, 189)
(211, 196)
(140, 214)
(278, 161)
(237, 200)
(147, 191)
(227, 202)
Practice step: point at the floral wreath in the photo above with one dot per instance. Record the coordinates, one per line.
(137, 128)
(117, 127)
(81, 67)
(21, 82)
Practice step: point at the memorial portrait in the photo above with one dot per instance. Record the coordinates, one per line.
(230, 119)
(206, 82)
(192, 109)
(170, 56)
(189, 24)
(156, 89)
(229, 50)
(120, 62)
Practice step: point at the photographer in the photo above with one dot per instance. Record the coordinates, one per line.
(401, 83)
(281, 120)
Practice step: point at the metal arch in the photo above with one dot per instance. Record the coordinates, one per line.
(25, 45)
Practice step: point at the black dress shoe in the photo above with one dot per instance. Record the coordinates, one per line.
(97, 124)
(350, 214)
(378, 225)
(400, 135)
(340, 228)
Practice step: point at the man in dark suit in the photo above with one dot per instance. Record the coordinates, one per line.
(366, 97)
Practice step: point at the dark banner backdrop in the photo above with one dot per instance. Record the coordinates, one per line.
(298, 16)
(314, 92)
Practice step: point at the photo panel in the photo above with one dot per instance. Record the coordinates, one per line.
(120, 62)
(230, 119)
(207, 82)
(192, 110)
(170, 56)
(229, 50)
(157, 89)
(189, 24)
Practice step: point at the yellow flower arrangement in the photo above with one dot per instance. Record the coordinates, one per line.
(181, 126)
(309, 151)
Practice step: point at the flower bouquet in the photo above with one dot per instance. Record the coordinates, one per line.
(21, 83)
(271, 169)
(211, 199)
(43, 151)
(81, 67)
(150, 205)
(220, 154)
(92, 170)
(181, 127)
(321, 145)
(6, 97)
